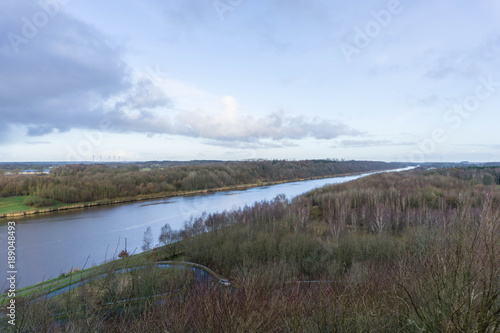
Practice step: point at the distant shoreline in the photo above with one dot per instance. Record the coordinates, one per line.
(117, 201)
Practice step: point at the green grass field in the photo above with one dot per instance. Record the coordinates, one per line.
(13, 204)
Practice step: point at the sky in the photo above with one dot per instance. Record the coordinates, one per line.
(84, 80)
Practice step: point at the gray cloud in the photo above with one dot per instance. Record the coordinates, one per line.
(259, 144)
(52, 78)
(68, 75)
(37, 142)
(469, 64)
(39, 130)
(428, 101)
(490, 146)
(228, 127)
(369, 143)
(232, 125)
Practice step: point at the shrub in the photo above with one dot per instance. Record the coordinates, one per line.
(123, 254)
(36, 201)
(454, 285)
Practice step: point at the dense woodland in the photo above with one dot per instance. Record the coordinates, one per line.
(415, 251)
(89, 182)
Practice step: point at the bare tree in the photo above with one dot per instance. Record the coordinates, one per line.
(167, 235)
(147, 240)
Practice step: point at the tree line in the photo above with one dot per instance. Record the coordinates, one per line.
(89, 182)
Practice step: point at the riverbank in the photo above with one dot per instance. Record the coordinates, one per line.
(117, 201)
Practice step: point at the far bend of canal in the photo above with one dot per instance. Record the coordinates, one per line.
(50, 244)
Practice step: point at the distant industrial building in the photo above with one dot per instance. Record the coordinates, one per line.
(34, 172)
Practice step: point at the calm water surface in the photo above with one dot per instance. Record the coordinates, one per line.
(47, 245)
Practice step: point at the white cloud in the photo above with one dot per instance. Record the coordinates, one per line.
(231, 124)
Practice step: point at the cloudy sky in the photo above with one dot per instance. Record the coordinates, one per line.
(243, 79)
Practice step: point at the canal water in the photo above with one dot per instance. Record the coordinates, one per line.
(50, 244)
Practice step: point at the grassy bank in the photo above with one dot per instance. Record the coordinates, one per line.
(77, 275)
(13, 205)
